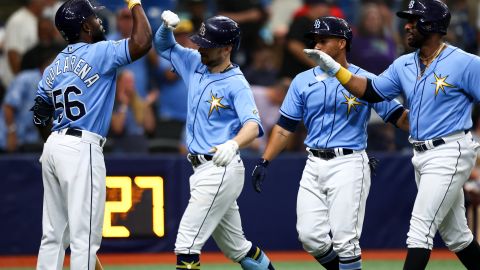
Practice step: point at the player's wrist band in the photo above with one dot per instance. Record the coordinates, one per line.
(132, 3)
(343, 75)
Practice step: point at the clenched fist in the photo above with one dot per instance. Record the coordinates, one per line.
(224, 153)
(170, 19)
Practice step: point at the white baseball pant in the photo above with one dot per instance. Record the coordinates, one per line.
(440, 174)
(332, 197)
(73, 171)
(213, 210)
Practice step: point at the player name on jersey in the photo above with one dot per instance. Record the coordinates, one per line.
(70, 64)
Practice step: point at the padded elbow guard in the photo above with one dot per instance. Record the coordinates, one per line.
(42, 112)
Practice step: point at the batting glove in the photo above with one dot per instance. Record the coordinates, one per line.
(259, 173)
(132, 3)
(170, 19)
(324, 61)
(224, 153)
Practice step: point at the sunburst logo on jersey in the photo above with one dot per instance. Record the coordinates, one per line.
(216, 104)
(440, 83)
(351, 102)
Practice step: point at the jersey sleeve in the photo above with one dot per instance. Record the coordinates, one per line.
(184, 61)
(112, 54)
(471, 78)
(385, 108)
(387, 85)
(292, 106)
(246, 108)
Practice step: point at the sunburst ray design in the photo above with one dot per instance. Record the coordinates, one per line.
(215, 104)
(440, 83)
(351, 102)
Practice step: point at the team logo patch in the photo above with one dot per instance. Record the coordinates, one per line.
(410, 5)
(440, 83)
(216, 104)
(351, 102)
(316, 24)
(202, 30)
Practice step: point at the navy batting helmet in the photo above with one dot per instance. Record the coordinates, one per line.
(433, 15)
(71, 15)
(218, 31)
(331, 26)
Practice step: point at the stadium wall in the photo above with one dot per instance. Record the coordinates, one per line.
(268, 218)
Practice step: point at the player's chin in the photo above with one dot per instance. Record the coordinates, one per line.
(99, 37)
(413, 43)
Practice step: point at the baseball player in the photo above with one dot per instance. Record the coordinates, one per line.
(78, 89)
(336, 179)
(222, 117)
(440, 83)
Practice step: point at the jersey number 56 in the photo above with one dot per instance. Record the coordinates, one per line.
(72, 108)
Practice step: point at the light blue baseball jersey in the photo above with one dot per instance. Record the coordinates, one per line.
(440, 100)
(80, 84)
(333, 117)
(218, 103)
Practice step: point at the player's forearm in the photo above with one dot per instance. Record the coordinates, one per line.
(356, 85)
(403, 122)
(278, 141)
(141, 38)
(247, 134)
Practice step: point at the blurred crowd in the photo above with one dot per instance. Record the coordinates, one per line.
(151, 106)
(151, 101)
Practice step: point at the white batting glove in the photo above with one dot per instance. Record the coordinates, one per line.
(170, 19)
(324, 61)
(224, 153)
(132, 3)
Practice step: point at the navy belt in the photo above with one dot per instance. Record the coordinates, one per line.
(198, 160)
(328, 154)
(422, 147)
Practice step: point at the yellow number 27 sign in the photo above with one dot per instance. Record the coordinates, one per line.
(124, 199)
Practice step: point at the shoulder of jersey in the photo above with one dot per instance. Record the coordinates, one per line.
(308, 75)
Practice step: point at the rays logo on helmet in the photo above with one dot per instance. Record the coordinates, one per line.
(201, 31)
(410, 5)
(316, 25)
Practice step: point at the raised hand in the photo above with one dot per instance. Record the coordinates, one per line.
(324, 61)
(170, 19)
